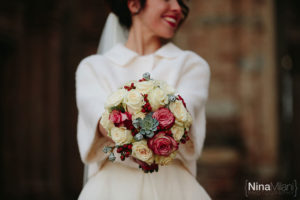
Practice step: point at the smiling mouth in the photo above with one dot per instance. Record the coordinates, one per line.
(171, 21)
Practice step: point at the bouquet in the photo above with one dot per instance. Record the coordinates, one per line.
(147, 121)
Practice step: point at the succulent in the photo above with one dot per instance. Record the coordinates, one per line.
(146, 76)
(147, 133)
(148, 126)
(136, 122)
(138, 137)
(172, 98)
(112, 157)
(107, 149)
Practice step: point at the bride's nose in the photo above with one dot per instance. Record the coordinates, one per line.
(175, 6)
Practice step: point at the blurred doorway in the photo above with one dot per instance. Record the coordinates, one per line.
(288, 55)
(41, 44)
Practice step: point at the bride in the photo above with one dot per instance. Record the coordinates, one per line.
(150, 24)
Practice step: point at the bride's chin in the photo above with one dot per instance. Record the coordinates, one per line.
(169, 35)
(167, 38)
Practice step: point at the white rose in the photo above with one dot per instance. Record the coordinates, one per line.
(141, 151)
(144, 87)
(134, 101)
(164, 160)
(178, 132)
(189, 121)
(115, 98)
(165, 87)
(121, 135)
(179, 111)
(138, 115)
(105, 122)
(178, 123)
(157, 98)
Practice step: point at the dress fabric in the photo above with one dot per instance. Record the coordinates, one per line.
(97, 76)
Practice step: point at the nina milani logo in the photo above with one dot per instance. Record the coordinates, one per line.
(271, 188)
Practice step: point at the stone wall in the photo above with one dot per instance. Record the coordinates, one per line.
(237, 38)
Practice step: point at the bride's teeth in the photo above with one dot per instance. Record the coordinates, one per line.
(170, 19)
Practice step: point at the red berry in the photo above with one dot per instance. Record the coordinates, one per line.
(125, 146)
(130, 146)
(122, 157)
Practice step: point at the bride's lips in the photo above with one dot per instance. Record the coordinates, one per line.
(172, 20)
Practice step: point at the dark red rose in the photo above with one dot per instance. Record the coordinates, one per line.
(165, 118)
(162, 144)
(128, 124)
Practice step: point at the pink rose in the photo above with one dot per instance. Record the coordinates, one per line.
(165, 118)
(126, 116)
(118, 117)
(162, 144)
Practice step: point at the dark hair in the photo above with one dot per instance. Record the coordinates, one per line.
(120, 8)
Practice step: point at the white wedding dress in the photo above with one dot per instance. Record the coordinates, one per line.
(99, 75)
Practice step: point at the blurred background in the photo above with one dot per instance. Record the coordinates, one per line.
(253, 110)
